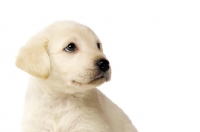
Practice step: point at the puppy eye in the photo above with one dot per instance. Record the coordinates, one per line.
(70, 47)
(98, 45)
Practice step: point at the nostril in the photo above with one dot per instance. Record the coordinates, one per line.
(103, 64)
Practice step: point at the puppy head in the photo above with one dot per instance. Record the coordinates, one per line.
(67, 56)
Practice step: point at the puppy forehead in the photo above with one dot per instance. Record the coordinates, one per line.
(63, 33)
(69, 29)
(77, 35)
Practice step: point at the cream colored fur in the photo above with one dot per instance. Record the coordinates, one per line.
(61, 95)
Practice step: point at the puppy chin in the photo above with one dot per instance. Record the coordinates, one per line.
(101, 77)
(98, 80)
(94, 81)
(91, 82)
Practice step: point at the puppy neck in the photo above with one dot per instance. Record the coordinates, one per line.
(45, 87)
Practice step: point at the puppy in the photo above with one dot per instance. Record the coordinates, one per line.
(66, 63)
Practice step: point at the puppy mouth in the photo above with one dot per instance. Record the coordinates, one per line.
(97, 76)
(103, 77)
(100, 76)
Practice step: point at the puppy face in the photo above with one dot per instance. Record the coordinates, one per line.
(66, 56)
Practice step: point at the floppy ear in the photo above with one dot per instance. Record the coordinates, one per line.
(33, 57)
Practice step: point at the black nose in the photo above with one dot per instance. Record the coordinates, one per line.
(103, 64)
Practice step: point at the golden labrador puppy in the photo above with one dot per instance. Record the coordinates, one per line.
(66, 62)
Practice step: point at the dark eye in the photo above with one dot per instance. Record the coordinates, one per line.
(98, 45)
(70, 47)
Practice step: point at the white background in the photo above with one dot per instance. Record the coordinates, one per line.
(153, 46)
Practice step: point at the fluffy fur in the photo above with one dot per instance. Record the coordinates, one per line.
(61, 95)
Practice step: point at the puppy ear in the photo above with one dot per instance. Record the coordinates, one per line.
(33, 57)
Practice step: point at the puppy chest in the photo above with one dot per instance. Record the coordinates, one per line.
(67, 116)
(73, 120)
